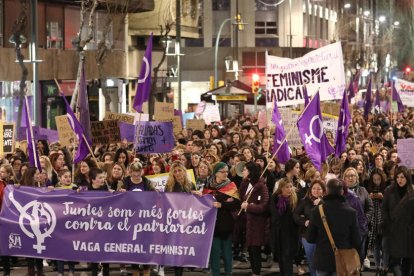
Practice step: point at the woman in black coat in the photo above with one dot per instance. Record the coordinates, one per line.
(397, 213)
(302, 214)
(285, 234)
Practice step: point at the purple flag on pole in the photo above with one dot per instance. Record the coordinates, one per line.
(310, 127)
(343, 124)
(305, 95)
(83, 107)
(31, 144)
(351, 92)
(377, 104)
(283, 155)
(368, 101)
(144, 81)
(396, 97)
(83, 149)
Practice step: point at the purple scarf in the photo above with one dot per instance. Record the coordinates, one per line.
(282, 204)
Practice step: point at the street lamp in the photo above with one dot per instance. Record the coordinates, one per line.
(238, 22)
(382, 18)
(347, 6)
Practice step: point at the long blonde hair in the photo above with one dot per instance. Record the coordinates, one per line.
(293, 199)
(187, 185)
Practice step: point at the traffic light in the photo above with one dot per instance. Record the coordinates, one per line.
(239, 22)
(255, 84)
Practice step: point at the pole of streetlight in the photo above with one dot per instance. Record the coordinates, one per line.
(178, 47)
(33, 57)
(216, 50)
(290, 29)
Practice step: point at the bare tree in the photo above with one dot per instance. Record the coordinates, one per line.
(18, 38)
(88, 8)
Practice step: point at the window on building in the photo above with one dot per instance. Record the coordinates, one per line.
(254, 62)
(265, 28)
(221, 5)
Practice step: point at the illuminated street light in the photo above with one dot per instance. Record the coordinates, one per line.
(382, 18)
(397, 23)
(347, 5)
(366, 13)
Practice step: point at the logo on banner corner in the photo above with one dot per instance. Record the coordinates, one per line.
(41, 218)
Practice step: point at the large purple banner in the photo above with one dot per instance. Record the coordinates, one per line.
(173, 229)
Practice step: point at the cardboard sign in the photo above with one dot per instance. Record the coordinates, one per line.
(405, 149)
(177, 124)
(105, 132)
(321, 69)
(119, 117)
(66, 134)
(187, 116)
(330, 108)
(163, 111)
(160, 180)
(211, 114)
(154, 137)
(195, 124)
(8, 138)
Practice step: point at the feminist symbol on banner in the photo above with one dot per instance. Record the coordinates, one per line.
(279, 141)
(342, 127)
(147, 66)
(311, 135)
(38, 211)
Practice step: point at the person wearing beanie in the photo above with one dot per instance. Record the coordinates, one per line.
(227, 201)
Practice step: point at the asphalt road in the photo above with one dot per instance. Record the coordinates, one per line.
(239, 269)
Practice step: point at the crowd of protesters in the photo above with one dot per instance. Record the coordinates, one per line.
(233, 161)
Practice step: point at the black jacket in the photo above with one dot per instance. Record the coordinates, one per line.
(302, 213)
(398, 216)
(342, 221)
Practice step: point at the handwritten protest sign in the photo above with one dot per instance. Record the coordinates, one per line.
(66, 135)
(8, 138)
(177, 124)
(195, 124)
(163, 111)
(160, 180)
(405, 149)
(171, 229)
(105, 132)
(154, 137)
(211, 114)
(290, 118)
(331, 108)
(321, 69)
(143, 117)
(187, 116)
(406, 91)
(119, 117)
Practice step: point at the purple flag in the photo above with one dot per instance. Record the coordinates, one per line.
(83, 148)
(351, 92)
(305, 95)
(343, 124)
(368, 100)
(396, 97)
(377, 104)
(283, 155)
(31, 144)
(310, 127)
(171, 229)
(83, 107)
(144, 81)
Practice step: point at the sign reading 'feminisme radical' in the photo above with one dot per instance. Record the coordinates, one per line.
(174, 229)
(322, 70)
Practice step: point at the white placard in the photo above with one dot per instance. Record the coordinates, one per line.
(321, 69)
(406, 91)
(211, 114)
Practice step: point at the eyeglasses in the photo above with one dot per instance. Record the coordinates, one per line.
(350, 175)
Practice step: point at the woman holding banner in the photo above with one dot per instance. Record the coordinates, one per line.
(178, 182)
(227, 201)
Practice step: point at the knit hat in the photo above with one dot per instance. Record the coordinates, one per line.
(218, 167)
